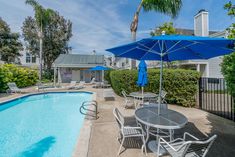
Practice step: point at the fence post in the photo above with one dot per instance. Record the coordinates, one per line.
(200, 93)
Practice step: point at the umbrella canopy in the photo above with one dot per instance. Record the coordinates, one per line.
(99, 68)
(142, 74)
(174, 47)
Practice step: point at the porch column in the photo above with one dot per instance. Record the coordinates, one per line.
(55, 76)
(59, 77)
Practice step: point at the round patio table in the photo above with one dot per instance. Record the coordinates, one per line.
(167, 119)
(141, 95)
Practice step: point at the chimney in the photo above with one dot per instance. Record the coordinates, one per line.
(201, 23)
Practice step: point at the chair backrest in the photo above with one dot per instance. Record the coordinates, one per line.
(73, 83)
(93, 80)
(12, 85)
(163, 94)
(199, 147)
(124, 94)
(119, 117)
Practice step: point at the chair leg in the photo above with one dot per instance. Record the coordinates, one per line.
(121, 146)
(144, 146)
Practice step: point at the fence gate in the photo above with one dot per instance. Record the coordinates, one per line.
(214, 97)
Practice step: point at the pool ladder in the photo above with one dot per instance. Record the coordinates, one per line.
(90, 108)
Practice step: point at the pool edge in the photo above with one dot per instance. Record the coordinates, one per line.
(82, 145)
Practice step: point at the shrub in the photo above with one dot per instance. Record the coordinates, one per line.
(180, 84)
(23, 77)
(107, 75)
(228, 70)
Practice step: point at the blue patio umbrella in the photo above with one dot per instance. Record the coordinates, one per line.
(174, 47)
(100, 68)
(142, 75)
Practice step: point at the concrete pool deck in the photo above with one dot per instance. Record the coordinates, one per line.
(102, 137)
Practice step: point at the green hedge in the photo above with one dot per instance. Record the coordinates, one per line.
(180, 84)
(23, 77)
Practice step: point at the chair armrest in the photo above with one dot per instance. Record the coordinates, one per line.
(136, 128)
(189, 135)
(167, 143)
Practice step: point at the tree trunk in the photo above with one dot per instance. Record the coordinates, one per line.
(134, 23)
(40, 58)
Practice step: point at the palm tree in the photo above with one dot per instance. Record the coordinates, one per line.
(42, 17)
(168, 7)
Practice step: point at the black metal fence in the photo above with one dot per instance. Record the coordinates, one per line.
(215, 98)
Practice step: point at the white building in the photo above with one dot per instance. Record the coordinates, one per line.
(208, 68)
(29, 60)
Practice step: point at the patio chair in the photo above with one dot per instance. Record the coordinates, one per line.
(80, 85)
(182, 147)
(13, 88)
(128, 131)
(92, 82)
(163, 97)
(72, 85)
(128, 102)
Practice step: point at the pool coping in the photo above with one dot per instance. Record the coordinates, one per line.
(82, 141)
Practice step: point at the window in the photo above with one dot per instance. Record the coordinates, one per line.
(28, 58)
(33, 59)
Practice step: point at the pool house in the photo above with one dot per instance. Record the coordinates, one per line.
(75, 67)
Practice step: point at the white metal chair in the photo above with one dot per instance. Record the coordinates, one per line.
(13, 88)
(163, 97)
(128, 102)
(182, 147)
(128, 131)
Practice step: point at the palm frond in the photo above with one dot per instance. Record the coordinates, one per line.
(169, 7)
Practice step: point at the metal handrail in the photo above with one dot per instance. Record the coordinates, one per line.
(86, 104)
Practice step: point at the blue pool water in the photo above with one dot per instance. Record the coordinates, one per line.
(45, 125)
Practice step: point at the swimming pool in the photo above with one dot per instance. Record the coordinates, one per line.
(41, 125)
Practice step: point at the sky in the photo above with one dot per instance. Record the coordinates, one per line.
(102, 24)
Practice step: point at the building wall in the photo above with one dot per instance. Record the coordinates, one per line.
(24, 60)
(77, 74)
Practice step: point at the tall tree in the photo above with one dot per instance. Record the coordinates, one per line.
(42, 17)
(168, 7)
(228, 64)
(56, 36)
(167, 27)
(10, 45)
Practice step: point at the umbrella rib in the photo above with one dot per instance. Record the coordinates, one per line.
(151, 51)
(148, 49)
(126, 52)
(187, 47)
(173, 45)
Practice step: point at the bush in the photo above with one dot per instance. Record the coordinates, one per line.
(228, 70)
(23, 77)
(180, 84)
(107, 75)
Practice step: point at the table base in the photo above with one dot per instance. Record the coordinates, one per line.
(153, 145)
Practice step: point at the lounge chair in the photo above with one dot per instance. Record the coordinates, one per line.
(128, 131)
(182, 147)
(13, 88)
(72, 85)
(92, 82)
(80, 85)
(108, 94)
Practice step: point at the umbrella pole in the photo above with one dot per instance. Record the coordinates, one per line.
(160, 86)
(142, 95)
